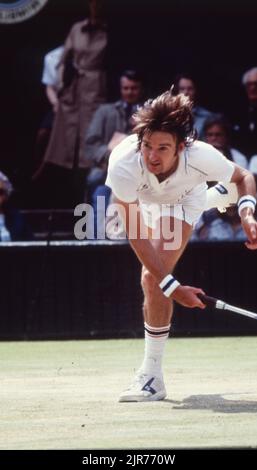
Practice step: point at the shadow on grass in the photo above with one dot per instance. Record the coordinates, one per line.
(216, 403)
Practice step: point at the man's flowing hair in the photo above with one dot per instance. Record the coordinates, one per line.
(166, 113)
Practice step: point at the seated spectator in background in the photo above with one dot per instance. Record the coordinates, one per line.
(213, 225)
(184, 83)
(216, 226)
(245, 126)
(217, 132)
(12, 223)
(111, 123)
(50, 80)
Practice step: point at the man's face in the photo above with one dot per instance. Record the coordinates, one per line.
(187, 87)
(251, 86)
(216, 136)
(161, 153)
(130, 90)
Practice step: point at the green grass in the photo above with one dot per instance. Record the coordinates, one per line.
(63, 395)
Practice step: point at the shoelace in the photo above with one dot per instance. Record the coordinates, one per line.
(137, 380)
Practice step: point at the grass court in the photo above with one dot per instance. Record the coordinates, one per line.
(64, 395)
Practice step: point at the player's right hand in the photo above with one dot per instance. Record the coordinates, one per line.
(187, 296)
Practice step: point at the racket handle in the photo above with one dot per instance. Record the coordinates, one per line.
(209, 301)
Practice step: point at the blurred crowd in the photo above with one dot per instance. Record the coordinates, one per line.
(80, 129)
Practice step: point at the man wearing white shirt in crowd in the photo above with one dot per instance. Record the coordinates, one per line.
(50, 81)
(50, 75)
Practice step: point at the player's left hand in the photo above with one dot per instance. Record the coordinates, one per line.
(249, 225)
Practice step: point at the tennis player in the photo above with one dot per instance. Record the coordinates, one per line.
(160, 173)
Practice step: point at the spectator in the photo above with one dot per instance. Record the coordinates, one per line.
(50, 80)
(245, 127)
(50, 75)
(81, 88)
(111, 123)
(184, 83)
(217, 132)
(216, 226)
(12, 223)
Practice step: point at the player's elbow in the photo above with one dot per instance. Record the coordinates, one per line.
(240, 174)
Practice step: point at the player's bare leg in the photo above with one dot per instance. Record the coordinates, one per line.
(157, 309)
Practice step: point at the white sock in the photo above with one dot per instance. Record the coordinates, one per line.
(155, 340)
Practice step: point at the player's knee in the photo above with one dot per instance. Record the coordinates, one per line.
(149, 284)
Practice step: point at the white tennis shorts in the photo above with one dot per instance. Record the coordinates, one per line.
(189, 209)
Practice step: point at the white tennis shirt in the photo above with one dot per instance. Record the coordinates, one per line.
(51, 60)
(130, 180)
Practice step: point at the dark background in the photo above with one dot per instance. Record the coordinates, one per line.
(72, 291)
(215, 41)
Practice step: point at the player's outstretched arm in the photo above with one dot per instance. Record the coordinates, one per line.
(246, 204)
(151, 259)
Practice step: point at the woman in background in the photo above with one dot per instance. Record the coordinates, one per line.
(81, 89)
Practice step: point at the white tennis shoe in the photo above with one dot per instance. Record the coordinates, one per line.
(144, 387)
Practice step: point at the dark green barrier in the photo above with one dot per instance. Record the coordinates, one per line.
(92, 290)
